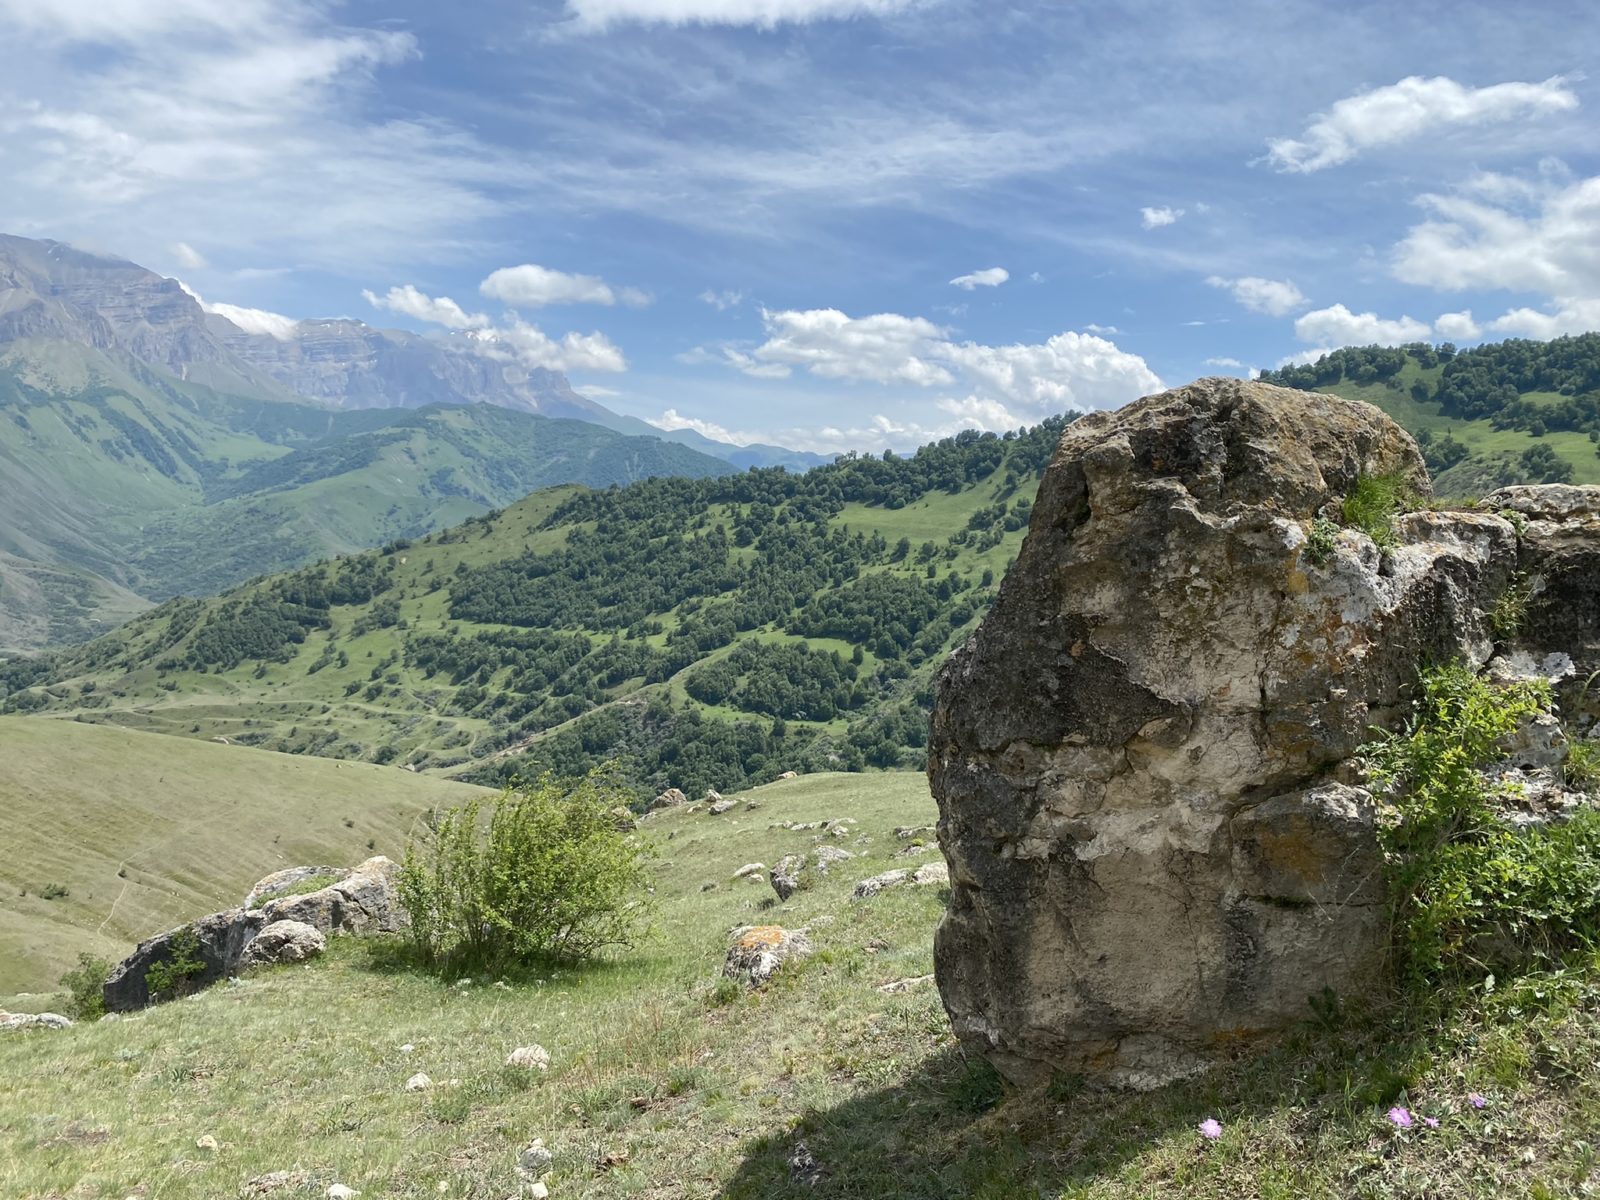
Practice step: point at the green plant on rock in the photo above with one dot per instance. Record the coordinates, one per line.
(543, 875)
(1472, 893)
(1581, 770)
(176, 976)
(1510, 611)
(1321, 541)
(84, 984)
(1372, 505)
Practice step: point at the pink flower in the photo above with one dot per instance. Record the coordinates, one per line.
(1476, 1100)
(1400, 1116)
(1210, 1129)
(1431, 1122)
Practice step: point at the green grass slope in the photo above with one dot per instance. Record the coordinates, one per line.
(144, 832)
(132, 482)
(711, 632)
(664, 1084)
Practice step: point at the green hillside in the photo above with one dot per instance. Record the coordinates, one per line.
(122, 484)
(143, 832)
(713, 632)
(1508, 412)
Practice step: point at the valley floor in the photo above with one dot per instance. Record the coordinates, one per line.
(663, 1084)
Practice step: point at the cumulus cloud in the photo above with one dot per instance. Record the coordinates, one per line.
(1230, 363)
(884, 348)
(1574, 316)
(254, 320)
(1274, 297)
(723, 300)
(764, 14)
(442, 310)
(1413, 108)
(1155, 218)
(532, 286)
(1337, 326)
(988, 277)
(1006, 384)
(672, 420)
(1458, 326)
(530, 346)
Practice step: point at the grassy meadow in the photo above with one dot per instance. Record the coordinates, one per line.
(664, 1083)
(144, 832)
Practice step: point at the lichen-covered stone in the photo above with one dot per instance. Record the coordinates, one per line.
(1141, 758)
(759, 952)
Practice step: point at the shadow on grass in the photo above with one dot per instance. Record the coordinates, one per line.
(956, 1130)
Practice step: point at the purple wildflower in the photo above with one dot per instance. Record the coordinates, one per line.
(1431, 1122)
(1210, 1129)
(1476, 1100)
(1400, 1116)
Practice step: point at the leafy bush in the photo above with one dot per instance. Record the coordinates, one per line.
(176, 976)
(84, 987)
(54, 891)
(1322, 540)
(1471, 892)
(548, 876)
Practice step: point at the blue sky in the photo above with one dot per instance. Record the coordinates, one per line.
(831, 223)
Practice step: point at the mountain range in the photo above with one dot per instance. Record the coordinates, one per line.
(151, 447)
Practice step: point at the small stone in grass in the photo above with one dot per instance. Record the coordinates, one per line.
(535, 1160)
(538, 1191)
(534, 1058)
(418, 1083)
(338, 1191)
(205, 1142)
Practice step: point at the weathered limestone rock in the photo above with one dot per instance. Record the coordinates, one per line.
(719, 807)
(789, 874)
(281, 881)
(671, 798)
(1141, 757)
(44, 1020)
(759, 952)
(283, 942)
(364, 901)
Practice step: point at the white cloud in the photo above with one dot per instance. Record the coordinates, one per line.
(532, 347)
(672, 420)
(1337, 326)
(885, 348)
(1458, 326)
(988, 277)
(1102, 330)
(254, 320)
(1411, 109)
(1575, 316)
(188, 257)
(1274, 297)
(1155, 218)
(533, 286)
(1070, 370)
(723, 300)
(1230, 363)
(764, 14)
(442, 310)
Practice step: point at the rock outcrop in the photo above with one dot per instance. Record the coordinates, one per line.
(1156, 845)
(759, 952)
(365, 900)
(283, 942)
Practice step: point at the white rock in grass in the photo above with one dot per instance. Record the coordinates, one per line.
(535, 1058)
(537, 1191)
(418, 1083)
(535, 1160)
(749, 869)
(205, 1142)
(407, 1048)
(338, 1191)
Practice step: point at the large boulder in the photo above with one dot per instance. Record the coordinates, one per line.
(365, 900)
(1142, 757)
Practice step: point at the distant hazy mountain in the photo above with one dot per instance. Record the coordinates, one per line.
(49, 290)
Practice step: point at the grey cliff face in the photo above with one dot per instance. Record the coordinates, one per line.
(1157, 846)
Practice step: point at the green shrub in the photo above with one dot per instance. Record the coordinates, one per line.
(176, 976)
(1322, 540)
(1582, 768)
(1510, 611)
(1373, 504)
(1472, 893)
(547, 877)
(84, 987)
(54, 891)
